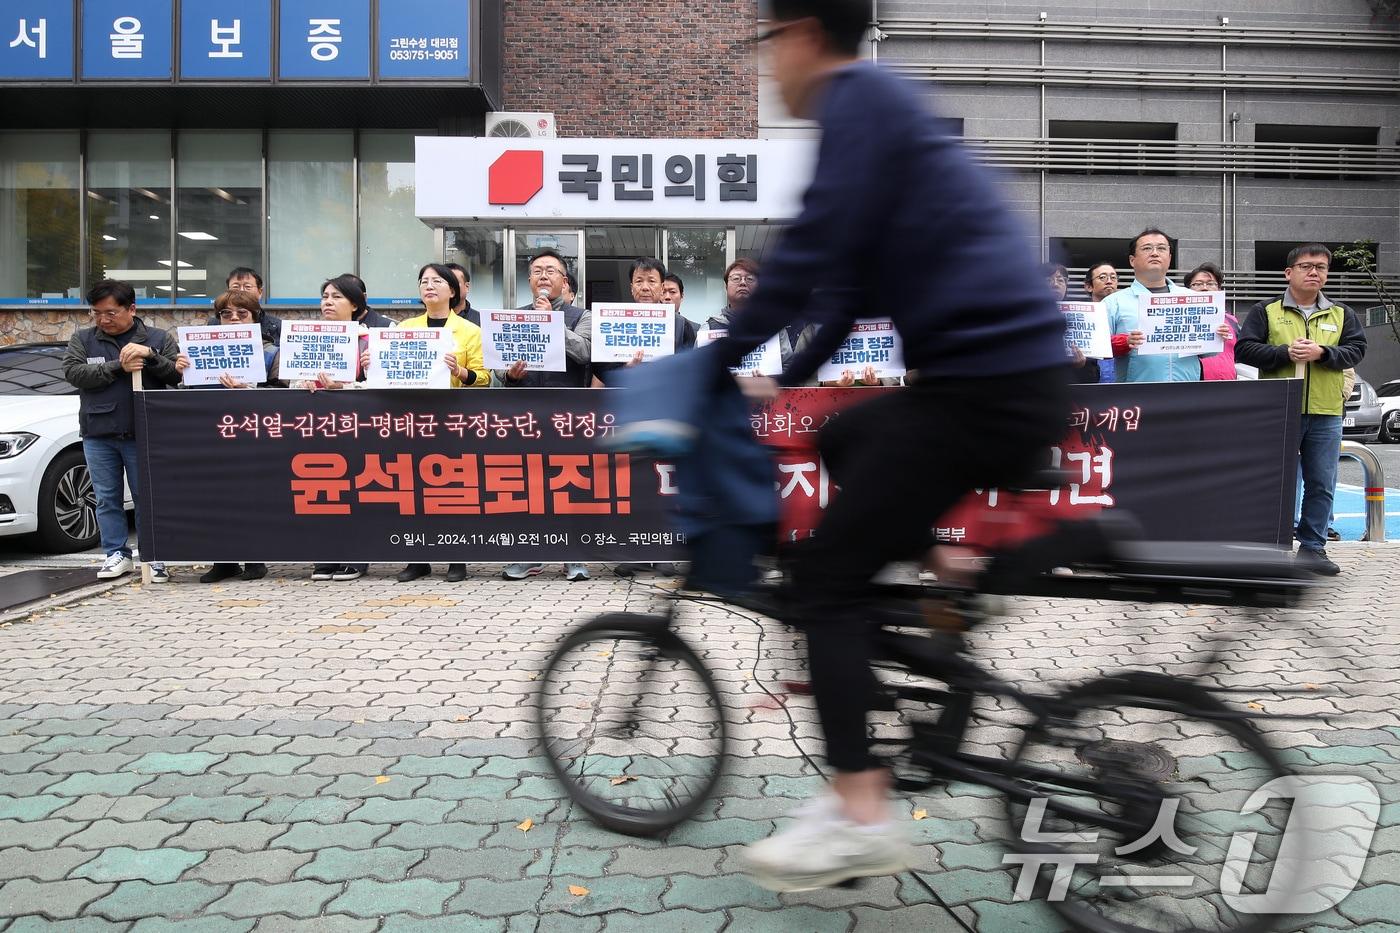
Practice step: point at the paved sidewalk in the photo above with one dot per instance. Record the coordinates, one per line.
(283, 755)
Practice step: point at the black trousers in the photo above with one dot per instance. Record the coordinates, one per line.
(902, 461)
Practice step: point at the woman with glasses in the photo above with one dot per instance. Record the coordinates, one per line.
(440, 292)
(1208, 277)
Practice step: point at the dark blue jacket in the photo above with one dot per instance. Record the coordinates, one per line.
(902, 221)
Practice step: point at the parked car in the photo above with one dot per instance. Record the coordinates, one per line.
(44, 484)
(1361, 421)
(1389, 395)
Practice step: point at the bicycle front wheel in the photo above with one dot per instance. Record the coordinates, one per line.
(631, 723)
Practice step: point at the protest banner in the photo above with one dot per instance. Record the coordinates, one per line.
(872, 342)
(766, 360)
(234, 349)
(524, 474)
(1181, 323)
(620, 330)
(535, 337)
(310, 348)
(1086, 327)
(409, 359)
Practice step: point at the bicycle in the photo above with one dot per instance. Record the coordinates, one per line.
(1081, 770)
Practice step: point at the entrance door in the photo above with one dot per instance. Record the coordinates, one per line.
(610, 253)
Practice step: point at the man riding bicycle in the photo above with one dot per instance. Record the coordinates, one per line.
(894, 205)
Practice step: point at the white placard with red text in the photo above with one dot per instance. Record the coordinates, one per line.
(235, 349)
(1184, 322)
(1086, 327)
(872, 342)
(310, 348)
(533, 337)
(621, 330)
(409, 359)
(766, 360)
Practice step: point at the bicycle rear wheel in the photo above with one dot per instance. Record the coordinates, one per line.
(1152, 775)
(631, 723)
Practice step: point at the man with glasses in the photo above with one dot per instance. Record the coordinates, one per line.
(246, 280)
(549, 276)
(1150, 255)
(99, 363)
(1099, 282)
(740, 279)
(1305, 335)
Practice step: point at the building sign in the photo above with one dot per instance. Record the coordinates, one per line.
(324, 40)
(600, 180)
(36, 40)
(229, 39)
(127, 39)
(424, 39)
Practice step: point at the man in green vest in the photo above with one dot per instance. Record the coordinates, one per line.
(1304, 335)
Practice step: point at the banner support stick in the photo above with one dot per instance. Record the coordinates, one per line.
(136, 386)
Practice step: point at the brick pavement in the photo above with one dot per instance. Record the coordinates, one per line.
(282, 755)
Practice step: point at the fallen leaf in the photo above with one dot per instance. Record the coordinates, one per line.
(1255, 705)
(534, 676)
(526, 826)
(623, 779)
(217, 589)
(1309, 686)
(460, 718)
(578, 890)
(604, 654)
(920, 814)
(382, 779)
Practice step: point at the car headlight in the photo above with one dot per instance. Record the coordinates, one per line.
(12, 445)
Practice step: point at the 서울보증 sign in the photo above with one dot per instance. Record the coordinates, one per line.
(310, 348)
(532, 337)
(872, 342)
(1086, 327)
(621, 331)
(234, 350)
(1184, 322)
(598, 180)
(765, 360)
(409, 359)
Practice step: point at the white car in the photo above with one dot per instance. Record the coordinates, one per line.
(44, 482)
(1390, 412)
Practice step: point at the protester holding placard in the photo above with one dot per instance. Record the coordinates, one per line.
(646, 280)
(740, 279)
(440, 292)
(1086, 369)
(1100, 281)
(548, 280)
(1208, 277)
(1150, 256)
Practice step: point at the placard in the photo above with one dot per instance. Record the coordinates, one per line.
(871, 342)
(620, 330)
(310, 348)
(409, 359)
(1181, 323)
(1086, 327)
(535, 337)
(766, 360)
(235, 349)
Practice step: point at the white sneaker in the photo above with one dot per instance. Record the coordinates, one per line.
(575, 572)
(116, 565)
(158, 573)
(521, 571)
(822, 848)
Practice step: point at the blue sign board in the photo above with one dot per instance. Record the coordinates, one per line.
(228, 39)
(324, 40)
(127, 39)
(421, 39)
(36, 40)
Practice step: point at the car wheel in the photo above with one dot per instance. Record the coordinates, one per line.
(68, 505)
(1390, 428)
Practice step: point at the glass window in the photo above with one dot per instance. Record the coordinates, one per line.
(310, 214)
(697, 255)
(39, 217)
(129, 210)
(565, 243)
(478, 250)
(611, 252)
(218, 210)
(393, 241)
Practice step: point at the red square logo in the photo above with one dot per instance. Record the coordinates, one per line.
(515, 177)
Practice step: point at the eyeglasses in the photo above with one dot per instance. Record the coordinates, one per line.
(113, 313)
(1310, 266)
(228, 314)
(1106, 277)
(432, 281)
(1154, 249)
(544, 271)
(742, 278)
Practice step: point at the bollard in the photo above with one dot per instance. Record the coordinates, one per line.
(1375, 488)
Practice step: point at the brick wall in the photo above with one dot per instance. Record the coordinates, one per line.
(632, 68)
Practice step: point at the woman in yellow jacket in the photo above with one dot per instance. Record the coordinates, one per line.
(440, 292)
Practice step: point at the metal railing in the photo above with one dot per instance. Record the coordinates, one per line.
(1203, 79)
(1351, 288)
(1179, 157)
(1374, 482)
(1206, 33)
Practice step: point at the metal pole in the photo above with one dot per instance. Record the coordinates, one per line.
(1375, 487)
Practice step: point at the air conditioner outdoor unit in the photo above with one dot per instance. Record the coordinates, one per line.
(521, 125)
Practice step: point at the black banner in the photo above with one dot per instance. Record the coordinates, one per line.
(522, 475)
